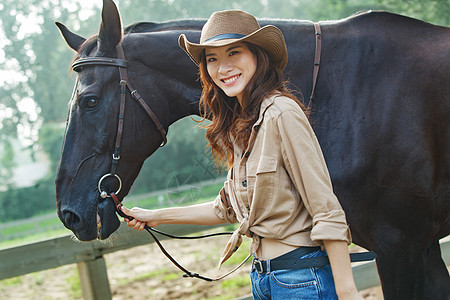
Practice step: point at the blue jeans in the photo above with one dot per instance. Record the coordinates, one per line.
(308, 283)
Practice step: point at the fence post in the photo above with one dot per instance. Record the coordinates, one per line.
(94, 279)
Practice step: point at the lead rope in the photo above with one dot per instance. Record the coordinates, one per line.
(187, 273)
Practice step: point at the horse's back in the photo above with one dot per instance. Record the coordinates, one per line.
(381, 114)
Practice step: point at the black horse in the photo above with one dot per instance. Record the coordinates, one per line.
(381, 112)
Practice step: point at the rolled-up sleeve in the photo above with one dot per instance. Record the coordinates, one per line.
(222, 206)
(306, 166)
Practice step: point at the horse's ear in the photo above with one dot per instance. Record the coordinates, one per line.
(73, 40)
(111, 31)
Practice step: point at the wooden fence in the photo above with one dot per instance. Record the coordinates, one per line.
(52, 253)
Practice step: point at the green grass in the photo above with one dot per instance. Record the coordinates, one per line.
(11, 281)
(163, 273)
(240, 254)
(236, 283)
(232, 287)
(34, 238)
(171, 276)
(17, 229)
(50, 222)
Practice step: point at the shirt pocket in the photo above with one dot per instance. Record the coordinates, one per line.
(265, 181)
(267, 164)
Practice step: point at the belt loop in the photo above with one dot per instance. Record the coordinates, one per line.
(268, 266)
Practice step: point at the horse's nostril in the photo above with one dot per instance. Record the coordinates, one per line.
(71, 219)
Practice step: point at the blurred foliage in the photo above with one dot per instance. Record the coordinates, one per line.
(35, 82)
(184, 160)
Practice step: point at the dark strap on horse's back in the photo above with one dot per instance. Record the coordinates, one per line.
(317, 55)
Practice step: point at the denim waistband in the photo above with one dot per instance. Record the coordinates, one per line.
(297, 253)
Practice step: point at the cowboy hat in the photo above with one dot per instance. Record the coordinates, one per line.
(232, 26)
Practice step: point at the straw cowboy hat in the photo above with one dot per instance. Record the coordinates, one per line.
(232, 26)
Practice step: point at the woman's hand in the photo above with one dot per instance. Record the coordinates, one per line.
(342, 270)
(141, 217)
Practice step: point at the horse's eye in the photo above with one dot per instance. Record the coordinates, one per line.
(92, 102)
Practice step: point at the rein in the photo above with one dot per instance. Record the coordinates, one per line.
(124, 83)
(187, 273)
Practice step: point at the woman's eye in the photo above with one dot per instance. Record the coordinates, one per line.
(233, 53)
(92, 102)
(211, 59)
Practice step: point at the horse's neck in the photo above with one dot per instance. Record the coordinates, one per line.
(168, 75)
(175, 76)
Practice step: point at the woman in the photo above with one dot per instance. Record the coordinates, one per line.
(278, 187)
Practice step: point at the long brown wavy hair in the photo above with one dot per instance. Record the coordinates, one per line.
(231, 121)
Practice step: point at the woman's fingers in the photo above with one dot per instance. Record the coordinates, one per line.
(136, 224)
(125, 210)
(139, 226)
(140, 217)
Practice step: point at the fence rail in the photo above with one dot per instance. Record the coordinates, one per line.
(52, 253)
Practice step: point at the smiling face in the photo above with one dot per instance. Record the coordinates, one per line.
(231, 67)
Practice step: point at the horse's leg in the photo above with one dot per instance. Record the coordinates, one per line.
(437, 280)
(408, 270)
(401, 267)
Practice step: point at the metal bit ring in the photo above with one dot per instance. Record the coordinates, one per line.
(104, 194)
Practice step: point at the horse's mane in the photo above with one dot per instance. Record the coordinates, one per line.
(143, 27)
(370, 16)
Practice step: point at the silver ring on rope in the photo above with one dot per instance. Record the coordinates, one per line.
(104, 194)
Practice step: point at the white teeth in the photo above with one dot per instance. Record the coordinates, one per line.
(229, 80)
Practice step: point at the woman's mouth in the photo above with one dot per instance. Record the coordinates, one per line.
(231, 80)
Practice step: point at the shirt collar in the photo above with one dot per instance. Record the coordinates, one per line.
(264, 106)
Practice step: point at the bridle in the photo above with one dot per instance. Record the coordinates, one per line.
(124, 83)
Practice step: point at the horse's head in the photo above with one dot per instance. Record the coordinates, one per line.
(92, 132)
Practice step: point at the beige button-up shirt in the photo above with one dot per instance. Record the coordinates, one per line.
(279, 187)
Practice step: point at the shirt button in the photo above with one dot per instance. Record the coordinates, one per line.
(247, 154)
(244, 183)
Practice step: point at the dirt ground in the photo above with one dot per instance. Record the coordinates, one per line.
(145, 273)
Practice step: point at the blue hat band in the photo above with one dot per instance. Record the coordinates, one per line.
(225, 36)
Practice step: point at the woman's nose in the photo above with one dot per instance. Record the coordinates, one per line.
(224, 67)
